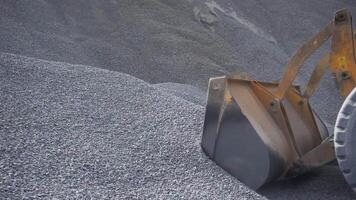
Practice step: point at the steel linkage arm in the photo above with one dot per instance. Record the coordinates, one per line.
(341, 60)
(342, 57)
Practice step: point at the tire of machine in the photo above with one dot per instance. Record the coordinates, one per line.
(345, 139)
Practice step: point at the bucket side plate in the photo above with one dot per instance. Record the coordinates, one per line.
(235, 138)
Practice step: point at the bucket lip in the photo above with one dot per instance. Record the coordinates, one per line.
(218, 77)
(237, 78)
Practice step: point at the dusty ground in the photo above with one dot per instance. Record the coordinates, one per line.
(79, 130)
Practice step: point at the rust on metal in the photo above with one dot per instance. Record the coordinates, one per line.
(342, 60)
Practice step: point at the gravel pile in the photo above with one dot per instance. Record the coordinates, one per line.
(183, 42)
(132, 128)
(71, 131)
(184, 91)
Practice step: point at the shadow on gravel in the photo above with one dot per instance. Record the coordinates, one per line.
(327, 183)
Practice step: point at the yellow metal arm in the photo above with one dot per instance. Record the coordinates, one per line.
(341, 59)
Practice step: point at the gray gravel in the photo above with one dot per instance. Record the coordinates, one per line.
(325, 183)
(183, 42)
(70, 131)
(184, 91)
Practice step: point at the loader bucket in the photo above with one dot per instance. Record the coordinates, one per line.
(260, 131)
(255, 137)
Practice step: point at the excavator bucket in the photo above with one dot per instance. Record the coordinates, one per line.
(261, 131)
(255, 137)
